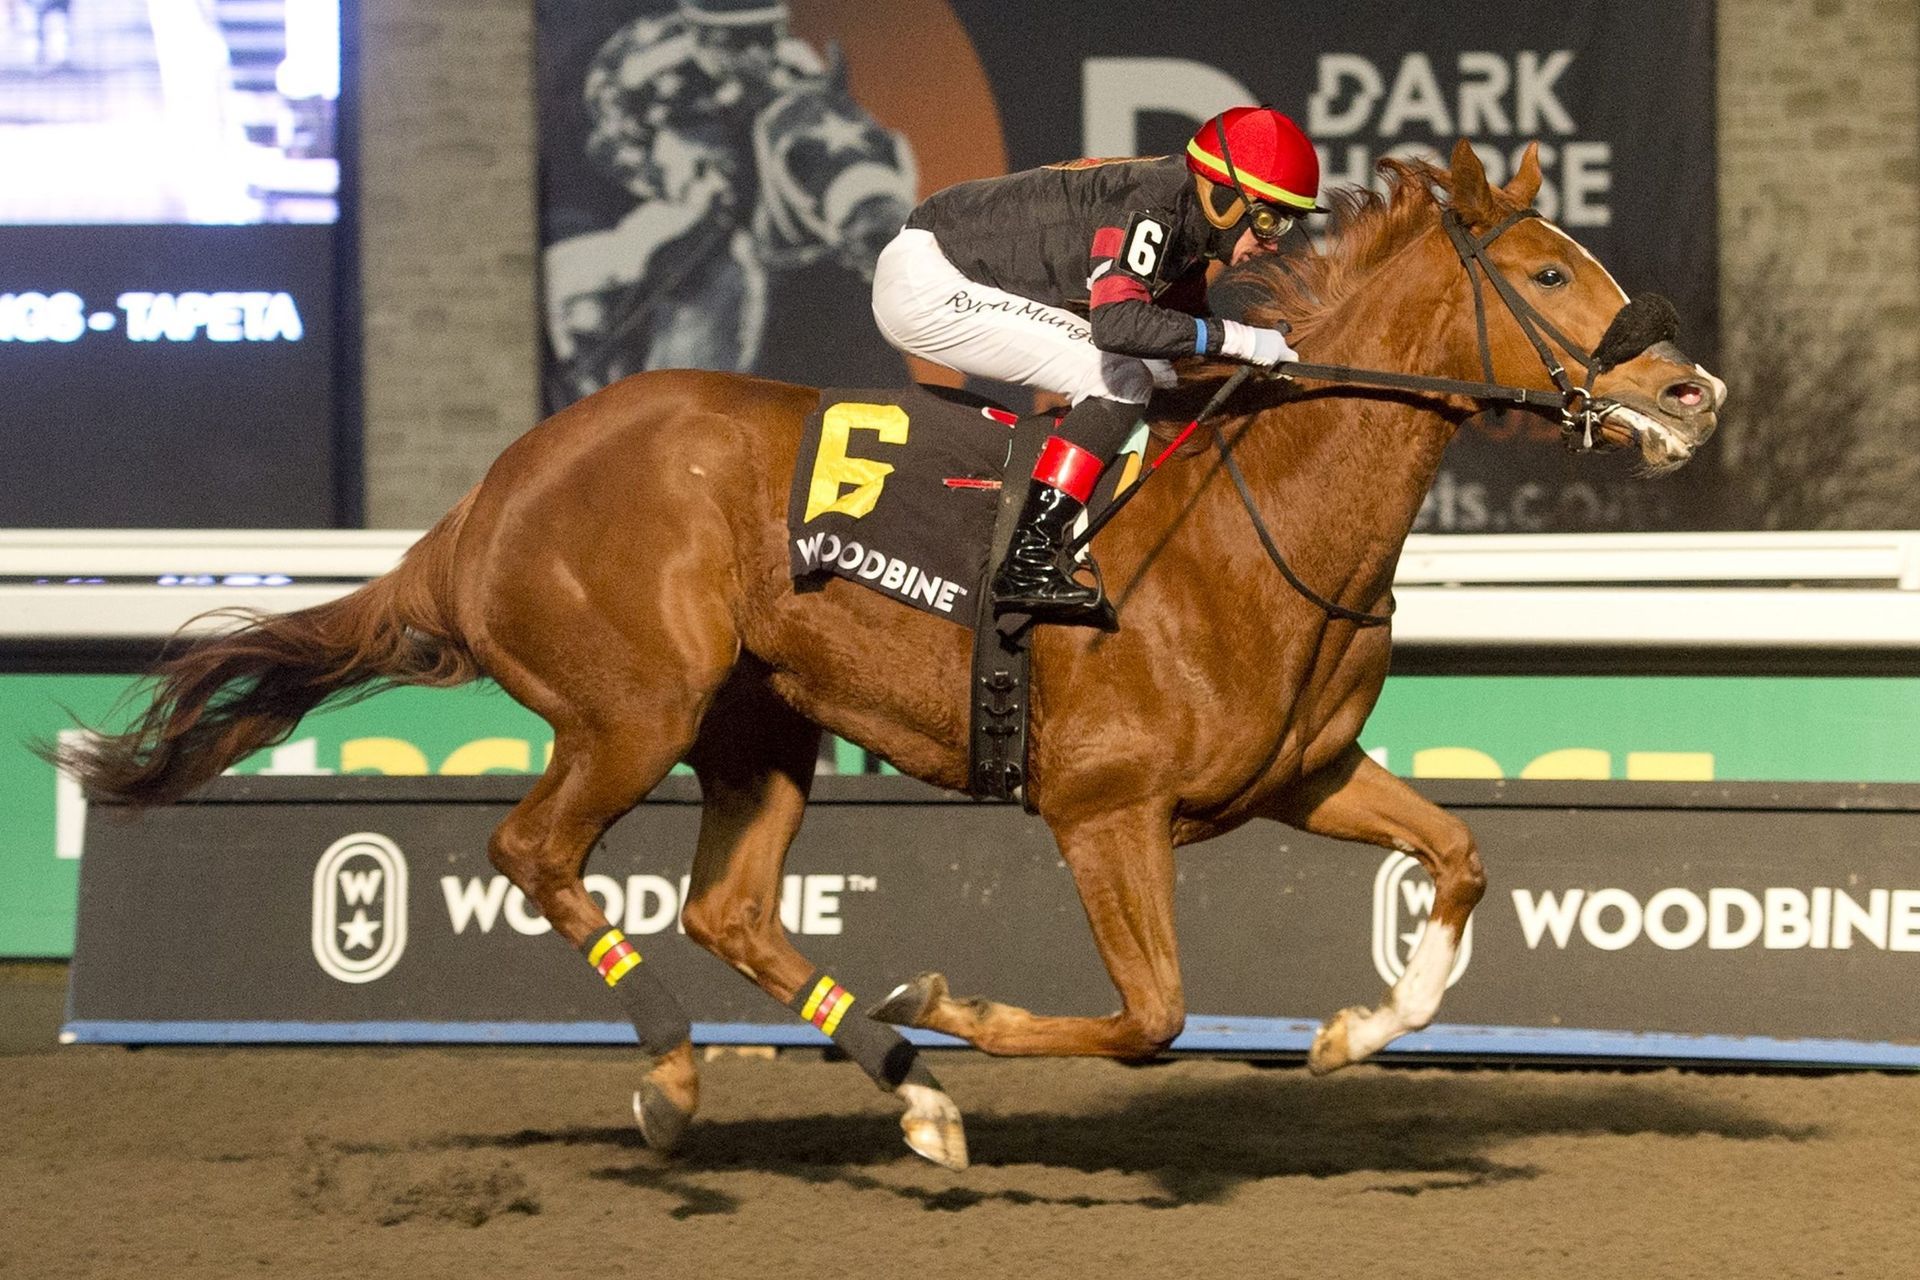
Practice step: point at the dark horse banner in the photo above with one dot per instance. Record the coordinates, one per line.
(718, 175)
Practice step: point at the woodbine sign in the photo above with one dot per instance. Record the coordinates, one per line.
(1676, 922)
(1688, 729)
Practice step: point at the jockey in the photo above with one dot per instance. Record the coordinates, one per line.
(1050, 279)
(673, 98)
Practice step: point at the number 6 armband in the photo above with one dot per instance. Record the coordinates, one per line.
(1143, 246)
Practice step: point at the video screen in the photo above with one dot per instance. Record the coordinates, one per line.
(169, 111)
(170, 266)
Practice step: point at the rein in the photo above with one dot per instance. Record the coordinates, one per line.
(1576, 406)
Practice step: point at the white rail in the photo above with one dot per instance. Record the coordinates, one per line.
(1821, 590)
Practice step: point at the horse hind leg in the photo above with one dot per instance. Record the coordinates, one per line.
(620, 723)
(542, 847)
(755, 760)
(1122, 864)
(1356, 799)
(625, 689)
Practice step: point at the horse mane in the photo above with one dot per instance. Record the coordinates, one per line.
(1367, 229)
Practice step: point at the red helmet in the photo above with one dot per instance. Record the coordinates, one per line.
(1264, 156)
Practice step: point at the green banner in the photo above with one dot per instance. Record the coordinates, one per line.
(1801, 729)
(1650, 728)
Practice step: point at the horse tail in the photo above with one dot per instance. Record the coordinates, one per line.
(228, 695)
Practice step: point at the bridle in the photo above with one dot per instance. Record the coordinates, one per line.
(1579, 411)
(1643, 322)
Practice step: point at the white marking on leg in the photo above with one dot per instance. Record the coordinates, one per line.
(1416, 996)
(1412, 1001)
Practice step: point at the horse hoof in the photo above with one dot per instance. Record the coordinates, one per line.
(1331, 1049)
(932, 1126)
(668, 1096)
(662, 1123)
(909, 1002)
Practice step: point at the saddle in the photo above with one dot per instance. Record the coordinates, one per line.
(914, 492)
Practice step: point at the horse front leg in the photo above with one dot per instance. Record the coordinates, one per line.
(1356, 799)
(1122, 863)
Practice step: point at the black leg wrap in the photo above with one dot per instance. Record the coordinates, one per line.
(883, 1053)
(658, 1019)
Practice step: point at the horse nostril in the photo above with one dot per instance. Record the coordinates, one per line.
(1687, 397)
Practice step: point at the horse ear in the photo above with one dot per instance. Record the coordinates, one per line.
(1471, 196)
(1526, 179)
(836, 65)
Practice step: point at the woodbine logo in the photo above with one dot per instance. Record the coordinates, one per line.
(360, 907)
(1402, 900)
(643, 904)
(889, 573)
(1677, 919)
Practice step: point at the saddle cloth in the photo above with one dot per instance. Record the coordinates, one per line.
(896, 489)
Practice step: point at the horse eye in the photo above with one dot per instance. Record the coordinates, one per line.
(1549, 277)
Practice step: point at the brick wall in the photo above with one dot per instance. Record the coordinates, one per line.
(1819, 166)
(1820, 161)
(447, 247)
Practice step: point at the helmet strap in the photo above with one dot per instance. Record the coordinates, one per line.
(1226, 155)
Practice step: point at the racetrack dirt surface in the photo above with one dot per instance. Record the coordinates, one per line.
(482, 1162)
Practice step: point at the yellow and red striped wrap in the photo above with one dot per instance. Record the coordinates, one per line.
(827, 1004)
(613, 956)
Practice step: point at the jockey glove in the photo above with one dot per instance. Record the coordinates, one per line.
(1264, 347)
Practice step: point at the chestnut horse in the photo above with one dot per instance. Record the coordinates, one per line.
(623, 571)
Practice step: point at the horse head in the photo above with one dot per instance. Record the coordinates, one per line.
(1620, 355)
(833, 180)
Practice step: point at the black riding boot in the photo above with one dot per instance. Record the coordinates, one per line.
(1034, 578)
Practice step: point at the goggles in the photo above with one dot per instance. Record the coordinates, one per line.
(1267, 223)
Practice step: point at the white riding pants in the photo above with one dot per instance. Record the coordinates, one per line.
(925, 307)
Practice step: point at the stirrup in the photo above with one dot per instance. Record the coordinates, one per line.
(1098, 612)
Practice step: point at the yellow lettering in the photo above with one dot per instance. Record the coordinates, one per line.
(1455, 762)
(1571, 762)
(394, 756)
(1670, 766)
(484, 754)
(833, 468)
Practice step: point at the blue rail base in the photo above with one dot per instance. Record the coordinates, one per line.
(1203, 1034)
